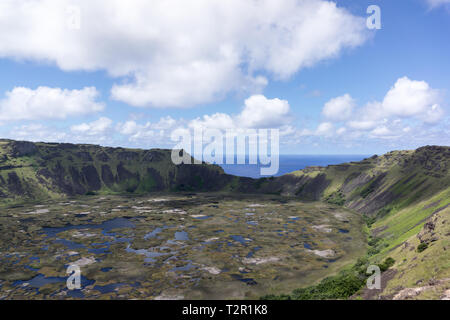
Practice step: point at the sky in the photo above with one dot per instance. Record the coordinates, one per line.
(130, 73)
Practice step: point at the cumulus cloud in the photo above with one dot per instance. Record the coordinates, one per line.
(258, 112)
(48, 103)
(96, 132)
(408, 100)
(325, 129)
(220, 121)
(381, 131)
(410, 111)
(93, 128)
(339, 109)
(149, 134)
(36, 132)
(179, 53)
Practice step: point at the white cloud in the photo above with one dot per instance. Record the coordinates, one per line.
(325, 129)
(362, 125)
(381, 131)
(258, 112)
(408, 98)
(409, 112)
(148, 133)
(48, 103)
(221, 121)
(36, 132)
(433, 114)
(136, 131)
(129, 127)
(93, 128)
(180, 53)
(437, 3)
(339, 109)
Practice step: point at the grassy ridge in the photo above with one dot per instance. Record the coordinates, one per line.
(402, 195)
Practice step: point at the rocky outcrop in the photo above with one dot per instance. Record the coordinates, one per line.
(22, 148)
(70, 169)
(15, 184)
(84, 156)
(91, 177)
(428, 234)
(107, 176)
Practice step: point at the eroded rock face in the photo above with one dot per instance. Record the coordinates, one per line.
(411, 293)
(313, 190)
(429, 157)
(428, 231)
(123, 174)
(153, 156)
(102, 156)
(127, 156)
(446, 295)
(77, 181)
(85, 156)
(199, 177)
(107, 175)
(71, 169)
(61, 180)
(23, 148)
(355, 180)
(156, 178)
(14, 184)
(91, 177)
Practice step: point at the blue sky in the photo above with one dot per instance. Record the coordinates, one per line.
(133, 76)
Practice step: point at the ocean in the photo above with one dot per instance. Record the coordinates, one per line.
(290, 163)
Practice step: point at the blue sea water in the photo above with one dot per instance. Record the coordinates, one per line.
(290, 163)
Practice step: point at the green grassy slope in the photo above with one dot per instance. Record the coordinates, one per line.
(417, 237)
(377, 186)
(405, 199)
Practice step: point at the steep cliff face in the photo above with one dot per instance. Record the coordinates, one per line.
(374, 186)
(39, 170)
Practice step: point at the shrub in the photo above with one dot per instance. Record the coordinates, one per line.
(374, 241)
(341, 286)
(389, 262)
(369, 220)
(373, 251)
(336, 198)
(421, 247)
(275, 297)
